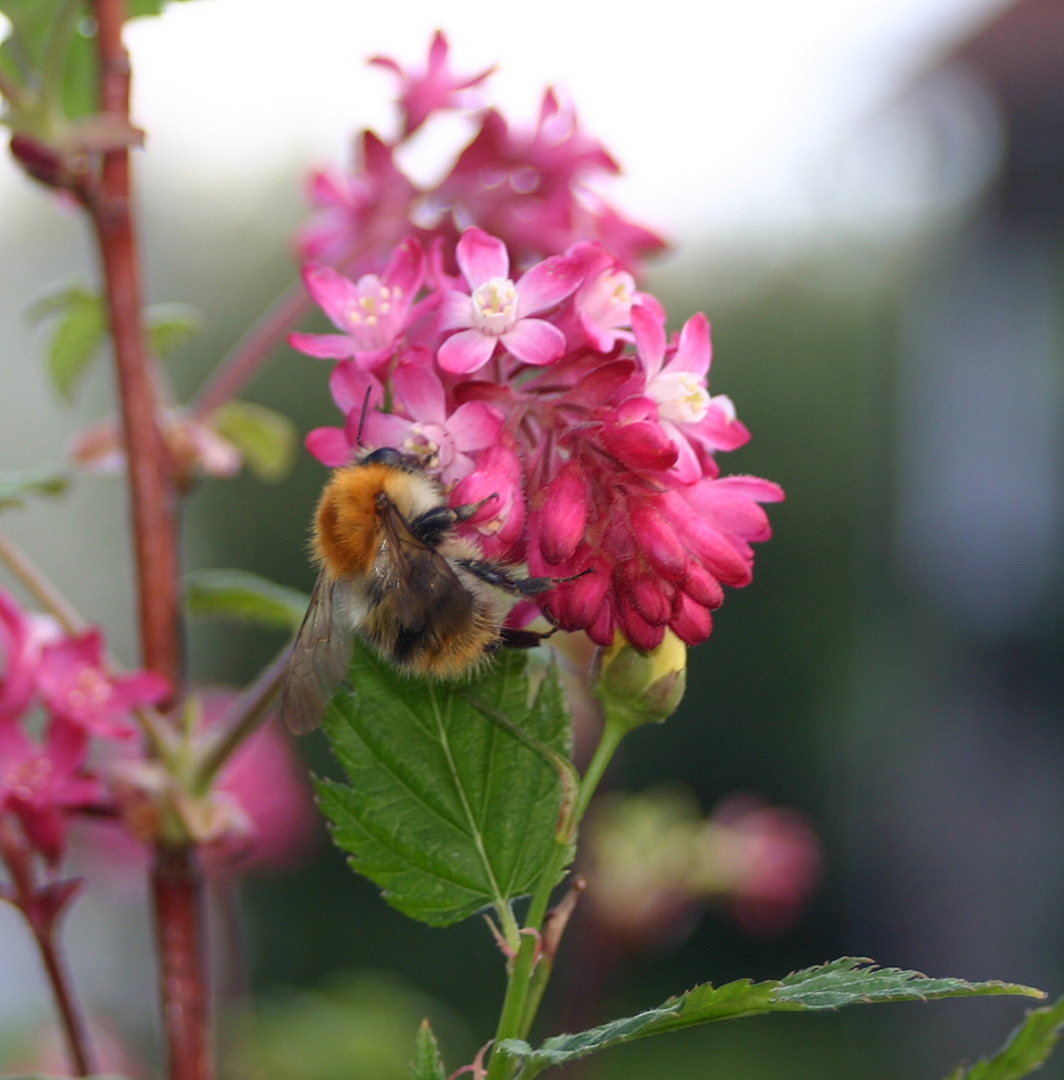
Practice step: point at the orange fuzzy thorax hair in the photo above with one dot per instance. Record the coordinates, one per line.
(347, 525)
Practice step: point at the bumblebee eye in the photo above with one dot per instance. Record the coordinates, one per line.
(386, 455)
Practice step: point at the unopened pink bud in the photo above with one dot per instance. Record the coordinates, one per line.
(565, 513)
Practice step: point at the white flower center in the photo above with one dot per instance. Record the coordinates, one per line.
(495, 306)
(425, 444)
(374, 303)
(609, 300)
(681, 396)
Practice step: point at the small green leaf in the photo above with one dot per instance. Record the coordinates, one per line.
(847, 981)
(1025, 1050)
(50, 54)
(427, 1063)
(266, 438)
(170, 326)
(239, 594)
(16, 487)
(852, 981)
(447, 811)
(80, 329)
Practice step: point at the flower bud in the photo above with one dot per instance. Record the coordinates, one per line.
(637, 687)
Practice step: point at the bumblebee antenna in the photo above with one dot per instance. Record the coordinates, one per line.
(362, 418)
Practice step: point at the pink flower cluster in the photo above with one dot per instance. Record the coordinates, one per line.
(67, 747)
(43, 781)
(499, 334)
(558, 398)
(531, 188)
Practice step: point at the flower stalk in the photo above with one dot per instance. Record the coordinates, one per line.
(42, 908)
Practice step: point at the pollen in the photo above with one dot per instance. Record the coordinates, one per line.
(495, 305)
(681, 397)
(370, 308)
(90, 690)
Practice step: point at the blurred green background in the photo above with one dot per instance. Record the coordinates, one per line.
(894, 671)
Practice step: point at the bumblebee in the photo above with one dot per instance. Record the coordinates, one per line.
(393, 571)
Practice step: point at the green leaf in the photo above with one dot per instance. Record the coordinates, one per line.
(170, 326)
(79, 332)
(49, 53)
(1025, 1049)
(239, 594)
(847, 981)
(16, 487)
(266, 438)
(448, 811)
(427, 1063)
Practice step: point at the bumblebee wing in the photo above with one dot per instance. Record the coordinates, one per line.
(321, 657)
(419, 586)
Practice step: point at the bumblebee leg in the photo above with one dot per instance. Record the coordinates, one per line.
(512, 638)
(464, 513)
(495, 575)
(431, 526)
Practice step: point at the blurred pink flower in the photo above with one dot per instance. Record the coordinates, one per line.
(77, 689)
(22, 636)
(40, 784)
(438, 88)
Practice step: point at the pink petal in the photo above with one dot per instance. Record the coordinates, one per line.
(534, 341)
(349, 384)
(465, 351)
(474, 426)
(688, 468)
(330, 446)
(481, 257)
(456, 311)
(421, 393)
(324, 346)
(331, 291)
(547, 283)
(694, 351)
(406, 269)
(649, 329)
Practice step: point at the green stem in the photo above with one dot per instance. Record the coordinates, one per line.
(241, 719)
(526, 986)
(41, 587)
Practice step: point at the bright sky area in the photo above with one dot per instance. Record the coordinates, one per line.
(723, 114)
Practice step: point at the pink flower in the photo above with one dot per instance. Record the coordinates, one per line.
(696, 423)
(372, 313)
(358, 215)
(445, 442)
(498, 309)
(22, 636)
(78, 690)
(41, 785)
(772, 857)
(603, 303)
(438, 88)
